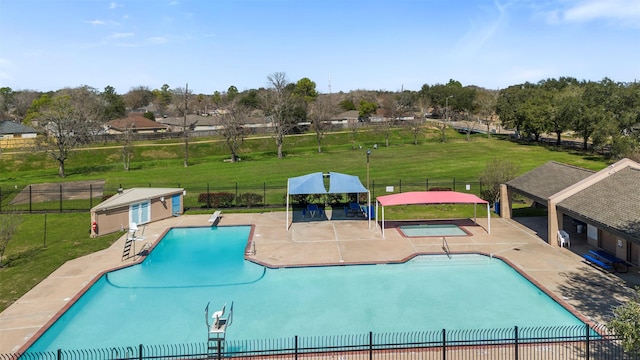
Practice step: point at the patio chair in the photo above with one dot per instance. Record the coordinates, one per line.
(563, 239)
(313, 209)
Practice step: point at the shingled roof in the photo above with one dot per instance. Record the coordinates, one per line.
(11, 127)
(137, 122)
(542, 182)
(612, 203)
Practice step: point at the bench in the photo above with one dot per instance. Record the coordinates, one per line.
(215, 217)
(602, 264)
(609, 258)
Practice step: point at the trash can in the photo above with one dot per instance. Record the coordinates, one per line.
(496, 207)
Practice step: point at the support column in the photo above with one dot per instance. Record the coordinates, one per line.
(554, 223)
(505, 202)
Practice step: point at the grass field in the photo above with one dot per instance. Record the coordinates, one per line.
(33, 253)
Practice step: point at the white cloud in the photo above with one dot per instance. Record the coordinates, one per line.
(114, 5)
(121, 35)
(627, 11)
(95, 22)
(485, 29)
(157, 40)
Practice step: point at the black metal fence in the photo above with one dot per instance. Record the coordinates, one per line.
(69, 196)
(549, 343)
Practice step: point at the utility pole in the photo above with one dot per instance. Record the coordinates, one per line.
(184, 126)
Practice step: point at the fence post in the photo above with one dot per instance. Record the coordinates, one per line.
(370, 345)
(236, 194)
(0, 199)
(373, 189)
(515, 343)
(208, 197)
(587, 345)
(444, 344)
(90, 196)
(454, 184)
(140, 352)
(296, 347)
(400, 186)
(30, 198)
(61, 198)
(264, 194)
(426, 185)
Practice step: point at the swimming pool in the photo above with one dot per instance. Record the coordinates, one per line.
(432, 230)
(161, 300)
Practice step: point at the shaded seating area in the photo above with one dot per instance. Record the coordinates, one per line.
(314, 184)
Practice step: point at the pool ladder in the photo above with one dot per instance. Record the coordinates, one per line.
(445, 247)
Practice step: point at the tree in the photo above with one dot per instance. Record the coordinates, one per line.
(305, 89)
(180, 101)
(232, 92)
(138, 97)
(9, 223)
(6, 100)
(321, 111)
(216, 99)
(127, 148)
(114, 104)
(366, 108)
(279, 108)
(496, 172)
(163, 98)
(67, 126)
(626, 323)
(415, 126)
(251, 99)
(347, 105)
(233, 130)
(484, 106)
(390, 112)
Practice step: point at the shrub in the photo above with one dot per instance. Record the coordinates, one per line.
(301, 199)
(219, 199)
(250, 199)
(439, 188)
(334, 199)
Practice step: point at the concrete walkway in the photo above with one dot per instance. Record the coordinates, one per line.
(581, 288)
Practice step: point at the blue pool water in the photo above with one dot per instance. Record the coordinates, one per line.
(432, 230)
(162, 300)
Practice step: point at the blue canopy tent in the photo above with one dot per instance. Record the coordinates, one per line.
(314, 184)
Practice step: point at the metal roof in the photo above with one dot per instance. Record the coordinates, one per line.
(134, 195)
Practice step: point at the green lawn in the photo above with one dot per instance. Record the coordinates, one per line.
(30, 257)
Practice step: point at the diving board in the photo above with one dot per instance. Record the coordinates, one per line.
(215, 217)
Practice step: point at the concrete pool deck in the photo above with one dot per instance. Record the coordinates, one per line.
(561, 271)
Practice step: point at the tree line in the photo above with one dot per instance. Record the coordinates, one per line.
(603, 114)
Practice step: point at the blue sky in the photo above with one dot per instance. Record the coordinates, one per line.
(351, 44)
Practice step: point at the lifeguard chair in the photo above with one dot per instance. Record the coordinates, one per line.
(217, 329)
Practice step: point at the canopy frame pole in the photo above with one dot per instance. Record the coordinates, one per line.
(369, 207)
(286, 226)
(488, 218)
(383, 221)
(475, 220)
